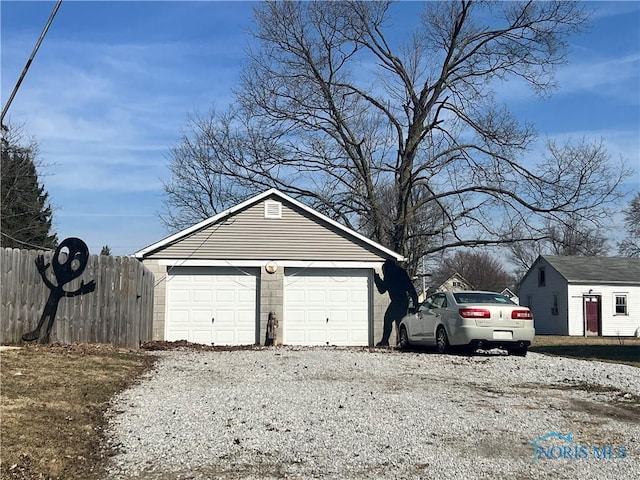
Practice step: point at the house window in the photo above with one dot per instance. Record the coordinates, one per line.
(541, 277)
(554, 309)
(621, 304)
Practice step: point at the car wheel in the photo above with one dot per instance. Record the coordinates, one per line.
(442, 342)
(520, 352)
(404, 339)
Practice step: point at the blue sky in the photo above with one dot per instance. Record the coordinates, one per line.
(113, 83)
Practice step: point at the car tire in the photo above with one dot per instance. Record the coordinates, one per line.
(442, 341)
(519, 352)
(404, 343)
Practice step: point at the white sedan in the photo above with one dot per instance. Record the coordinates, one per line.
(469, 319)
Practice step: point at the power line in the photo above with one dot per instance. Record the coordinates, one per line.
(38, 247)
(28, 64)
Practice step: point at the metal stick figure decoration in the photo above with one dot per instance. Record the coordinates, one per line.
(65, 270)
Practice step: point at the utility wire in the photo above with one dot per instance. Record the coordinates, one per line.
(28, 64)
(38, 247)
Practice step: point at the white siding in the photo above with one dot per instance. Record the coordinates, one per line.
(612, 324)
(545, 321)
(570, 318)
(623, 325)
(576, 308)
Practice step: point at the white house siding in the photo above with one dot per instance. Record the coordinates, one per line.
(623, 325)
(609, 277)
(611, 324)
(545, 321)
(576, 308)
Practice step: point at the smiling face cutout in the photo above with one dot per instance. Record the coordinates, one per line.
(70, 259)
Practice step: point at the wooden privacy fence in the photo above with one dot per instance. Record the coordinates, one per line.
(119, 311)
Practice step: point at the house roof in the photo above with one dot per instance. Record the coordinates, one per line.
(507, 291)
(349, 233)
(438, 281)
(614, 270)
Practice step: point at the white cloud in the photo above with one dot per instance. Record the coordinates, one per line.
(605, 77)
(102, 110)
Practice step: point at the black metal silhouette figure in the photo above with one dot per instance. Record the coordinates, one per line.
(397, 282)
(69, 269)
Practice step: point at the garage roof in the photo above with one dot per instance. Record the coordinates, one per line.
(224, 225)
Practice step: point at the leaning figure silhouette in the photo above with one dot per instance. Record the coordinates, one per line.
(65, 269)
(397, 282)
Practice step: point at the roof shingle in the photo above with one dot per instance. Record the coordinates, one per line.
(615, 270)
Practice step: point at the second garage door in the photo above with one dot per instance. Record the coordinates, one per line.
(211, 305)
(326, 307)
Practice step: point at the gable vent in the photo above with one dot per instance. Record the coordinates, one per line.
(272, 209)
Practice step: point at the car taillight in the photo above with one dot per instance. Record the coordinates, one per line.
(474, 313)
(522, 315)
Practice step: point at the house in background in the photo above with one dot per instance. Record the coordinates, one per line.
(509, 294)
(219, 281)
(583, 295)
(454, 283)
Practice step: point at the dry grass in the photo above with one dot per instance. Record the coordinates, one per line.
(624, 350)
(53, 403)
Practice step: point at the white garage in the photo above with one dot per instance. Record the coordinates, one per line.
(326, 307)
(211, 305)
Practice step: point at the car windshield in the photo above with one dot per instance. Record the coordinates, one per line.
(481, 297)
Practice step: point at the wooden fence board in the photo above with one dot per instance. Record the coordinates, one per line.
(119, 311)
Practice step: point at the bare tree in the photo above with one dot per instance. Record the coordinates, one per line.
(199, 164)
(480, 269)
(573, 238)
(565, 236)
(630, 246)
(382, 136)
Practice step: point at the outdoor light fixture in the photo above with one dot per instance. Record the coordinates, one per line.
(271, 267)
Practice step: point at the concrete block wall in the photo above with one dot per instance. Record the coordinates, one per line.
(159, 297)
(271, 287)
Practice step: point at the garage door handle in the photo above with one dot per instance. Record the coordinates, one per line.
(213, 319)
(327, 320)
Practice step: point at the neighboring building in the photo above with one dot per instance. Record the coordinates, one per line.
(508, 293)
(454, 283)
(217, 282)
(574, 295)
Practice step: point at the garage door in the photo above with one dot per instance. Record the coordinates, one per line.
(211, 305)
(326, 307)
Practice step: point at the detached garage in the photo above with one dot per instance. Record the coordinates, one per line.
(271, 256)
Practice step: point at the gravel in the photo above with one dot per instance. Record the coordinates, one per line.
(370, 413)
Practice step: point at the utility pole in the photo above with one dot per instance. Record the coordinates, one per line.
(28, 64)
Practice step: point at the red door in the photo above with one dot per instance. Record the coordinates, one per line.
(592, 313)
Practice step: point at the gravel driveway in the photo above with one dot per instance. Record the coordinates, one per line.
(360, 413)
